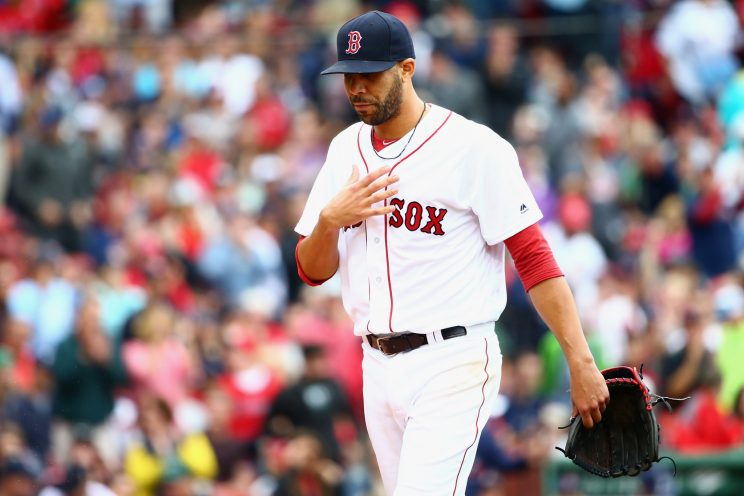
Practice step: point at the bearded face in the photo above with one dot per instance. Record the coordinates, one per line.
(381, 99)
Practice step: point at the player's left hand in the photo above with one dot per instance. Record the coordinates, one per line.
(589, 394)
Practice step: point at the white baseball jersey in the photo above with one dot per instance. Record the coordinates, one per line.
(438, 260)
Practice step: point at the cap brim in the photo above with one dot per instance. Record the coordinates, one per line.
(359, 66)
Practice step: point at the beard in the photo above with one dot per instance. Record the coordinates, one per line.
(388, 108)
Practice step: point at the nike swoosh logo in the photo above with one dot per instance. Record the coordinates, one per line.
(386, 143)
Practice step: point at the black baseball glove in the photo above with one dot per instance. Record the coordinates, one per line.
(626, 440)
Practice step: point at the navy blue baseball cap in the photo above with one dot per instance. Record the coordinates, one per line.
(372, 42)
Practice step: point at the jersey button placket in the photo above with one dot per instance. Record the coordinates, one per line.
(379, 304)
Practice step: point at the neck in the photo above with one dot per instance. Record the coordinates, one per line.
(407, 118)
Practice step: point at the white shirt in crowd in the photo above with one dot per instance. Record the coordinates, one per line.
(235, 79)
(11, 97)
(698, 39)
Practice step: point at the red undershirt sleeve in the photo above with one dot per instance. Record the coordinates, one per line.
(532, 257)
(303, 276)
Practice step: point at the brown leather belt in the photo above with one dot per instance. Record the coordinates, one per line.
(400, 343)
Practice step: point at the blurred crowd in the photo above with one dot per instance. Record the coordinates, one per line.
(155, 338)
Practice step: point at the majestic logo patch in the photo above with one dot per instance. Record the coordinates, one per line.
(355, 42)
(522, 208)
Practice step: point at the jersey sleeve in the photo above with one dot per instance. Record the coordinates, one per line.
(498, 193)
(324, 188)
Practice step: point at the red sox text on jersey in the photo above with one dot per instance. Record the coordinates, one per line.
(412, 217)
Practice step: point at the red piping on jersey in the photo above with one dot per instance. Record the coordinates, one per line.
(366, 244)
(300, 272)
(387, 255)
(369, 286)
(359, 147)
(477, 418)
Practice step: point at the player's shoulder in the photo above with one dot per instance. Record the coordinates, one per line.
(347, 136)
(471, 131)
(341, 147)
(478, 137)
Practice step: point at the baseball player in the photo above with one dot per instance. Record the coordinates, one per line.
(415, 207)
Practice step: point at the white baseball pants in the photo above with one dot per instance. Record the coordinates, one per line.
(425, 410)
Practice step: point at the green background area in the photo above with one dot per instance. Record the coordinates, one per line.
(719, 474)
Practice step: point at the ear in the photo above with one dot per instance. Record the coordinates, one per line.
(407, 68)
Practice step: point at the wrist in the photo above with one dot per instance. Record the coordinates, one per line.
(580, 361)
(326, 222)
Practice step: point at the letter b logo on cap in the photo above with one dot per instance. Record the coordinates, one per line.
(386, 42)
(355, 42)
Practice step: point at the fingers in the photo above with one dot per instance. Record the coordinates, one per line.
(373, 176)
(587, 419)
(380, 210)
(363, 192)
(586, 416)
(590, 396)
(596, 415)
(381, 184)
(382, 195)
(372, 183)
(592, 414)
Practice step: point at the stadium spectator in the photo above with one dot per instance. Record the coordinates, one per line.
(17, 479)
(316, 403)
(157, 362)
(308, 471)
(698, 38)
(162, 456)
(29, 411)
(234, 456)
(45, 302)
(11, 105)
(54, 183)
(458, 88)
(729, 308)
(506, 77)
(88, 369)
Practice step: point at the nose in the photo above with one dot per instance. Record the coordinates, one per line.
(354, 84)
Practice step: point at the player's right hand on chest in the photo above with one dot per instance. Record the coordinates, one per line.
(360, 198)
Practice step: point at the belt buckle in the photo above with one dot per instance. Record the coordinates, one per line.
(381, 344)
